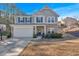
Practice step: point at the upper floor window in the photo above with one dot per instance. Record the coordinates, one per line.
(28, 20)
(39, 19)
(24, 19)
(50, 19)
(20, 20)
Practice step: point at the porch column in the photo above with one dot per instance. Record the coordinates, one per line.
(45, 29)
(35, 30)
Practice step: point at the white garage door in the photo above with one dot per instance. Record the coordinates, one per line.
(23, 32)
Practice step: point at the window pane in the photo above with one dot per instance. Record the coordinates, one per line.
(52, 19)
(22, 20)
(36, 19)
(25, 19)
(30, 19)
(49, 19)
(18, 19)
(39, 19)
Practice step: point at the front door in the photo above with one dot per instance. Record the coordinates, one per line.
(40, 29)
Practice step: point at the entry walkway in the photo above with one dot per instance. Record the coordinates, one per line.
(13, 46)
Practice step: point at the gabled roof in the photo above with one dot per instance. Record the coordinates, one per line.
(46, 8)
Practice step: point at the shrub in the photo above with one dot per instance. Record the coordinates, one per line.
(53, 35)
(47, 36)
(5, 33)
(56, 35)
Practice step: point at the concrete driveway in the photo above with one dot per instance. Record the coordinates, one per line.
(13, 46)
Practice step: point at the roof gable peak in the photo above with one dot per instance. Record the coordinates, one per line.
(46, 7)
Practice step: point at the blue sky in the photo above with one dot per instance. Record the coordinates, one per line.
(63, 9)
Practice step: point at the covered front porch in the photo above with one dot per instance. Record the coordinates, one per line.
(44, 28)
(39, 28)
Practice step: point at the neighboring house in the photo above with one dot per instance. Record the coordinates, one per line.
(43, 21)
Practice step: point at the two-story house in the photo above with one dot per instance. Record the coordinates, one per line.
(26, 25)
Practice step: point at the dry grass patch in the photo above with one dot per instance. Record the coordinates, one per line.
(52, 49)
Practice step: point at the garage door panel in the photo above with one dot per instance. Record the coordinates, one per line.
(23, 32)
